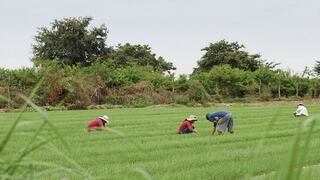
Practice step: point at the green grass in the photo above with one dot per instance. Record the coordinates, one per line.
(143, 144)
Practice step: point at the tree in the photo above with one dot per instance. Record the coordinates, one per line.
(315, 81)
(264, 76)
(248, 84)
(300, 82)
(182, 83)
(139, 55)
(223, 52)
(197, 92)
(317, 68)
(24, 78)
(315, 86)
(70, 42)
(226, 80)
(5, 83)
(280, 76)
(296, 81)
(204, 79)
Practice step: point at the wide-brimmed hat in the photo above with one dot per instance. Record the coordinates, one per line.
(104, 118)
(300, 104)
(192, 118)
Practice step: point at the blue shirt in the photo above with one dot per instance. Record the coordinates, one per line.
(219, 114)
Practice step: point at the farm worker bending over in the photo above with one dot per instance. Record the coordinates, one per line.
(187, 125)
(301, 111)
(221, 120)
(99, 123)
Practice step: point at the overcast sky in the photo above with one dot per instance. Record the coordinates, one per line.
(284, 31)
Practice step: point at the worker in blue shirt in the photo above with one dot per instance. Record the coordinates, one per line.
(222, 121)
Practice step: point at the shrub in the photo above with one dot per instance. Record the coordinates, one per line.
(140, 102)
(265, 96)
(180, 99)
(197, 92)
(240, 100)
(162, 97)
(79, 93)
(53, 89)
(182, 84)
(116, 100)
(141, 88)
(3, 103)
(217, 98)
(55, 108)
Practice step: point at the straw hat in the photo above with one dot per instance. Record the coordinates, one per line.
(192, 118)
(104, 118)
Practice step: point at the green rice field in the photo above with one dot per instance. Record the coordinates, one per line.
(142, 143)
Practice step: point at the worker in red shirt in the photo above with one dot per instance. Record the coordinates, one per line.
(98, 124)
(187, 125)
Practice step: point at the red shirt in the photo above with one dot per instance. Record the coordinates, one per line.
(96, 123)
(185, 124)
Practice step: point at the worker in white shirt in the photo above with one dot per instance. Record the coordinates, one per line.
(301, 111)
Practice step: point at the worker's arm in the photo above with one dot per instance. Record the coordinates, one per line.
(214, 127)
(298, 111)
(101, 126)
(215, 122)
(191, 128)
(214, 130)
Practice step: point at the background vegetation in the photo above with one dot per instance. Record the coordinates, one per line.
(80, 71)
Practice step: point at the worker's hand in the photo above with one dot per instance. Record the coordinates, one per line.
(214, 130)
(216, 121)
(195, 131)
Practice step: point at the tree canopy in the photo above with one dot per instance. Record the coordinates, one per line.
(139, 55)
(70, 42)
(231, 53)
(317, 68)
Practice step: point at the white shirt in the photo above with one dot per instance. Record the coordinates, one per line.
(302, 111)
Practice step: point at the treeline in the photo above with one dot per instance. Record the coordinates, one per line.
(77, 70)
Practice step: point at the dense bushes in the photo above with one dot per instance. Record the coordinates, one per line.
(77, 87)
(197, 92)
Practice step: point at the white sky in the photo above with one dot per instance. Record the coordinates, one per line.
(284, 31)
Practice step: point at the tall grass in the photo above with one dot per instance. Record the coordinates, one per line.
(142, 143)
(22, 168)
(293, 166)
